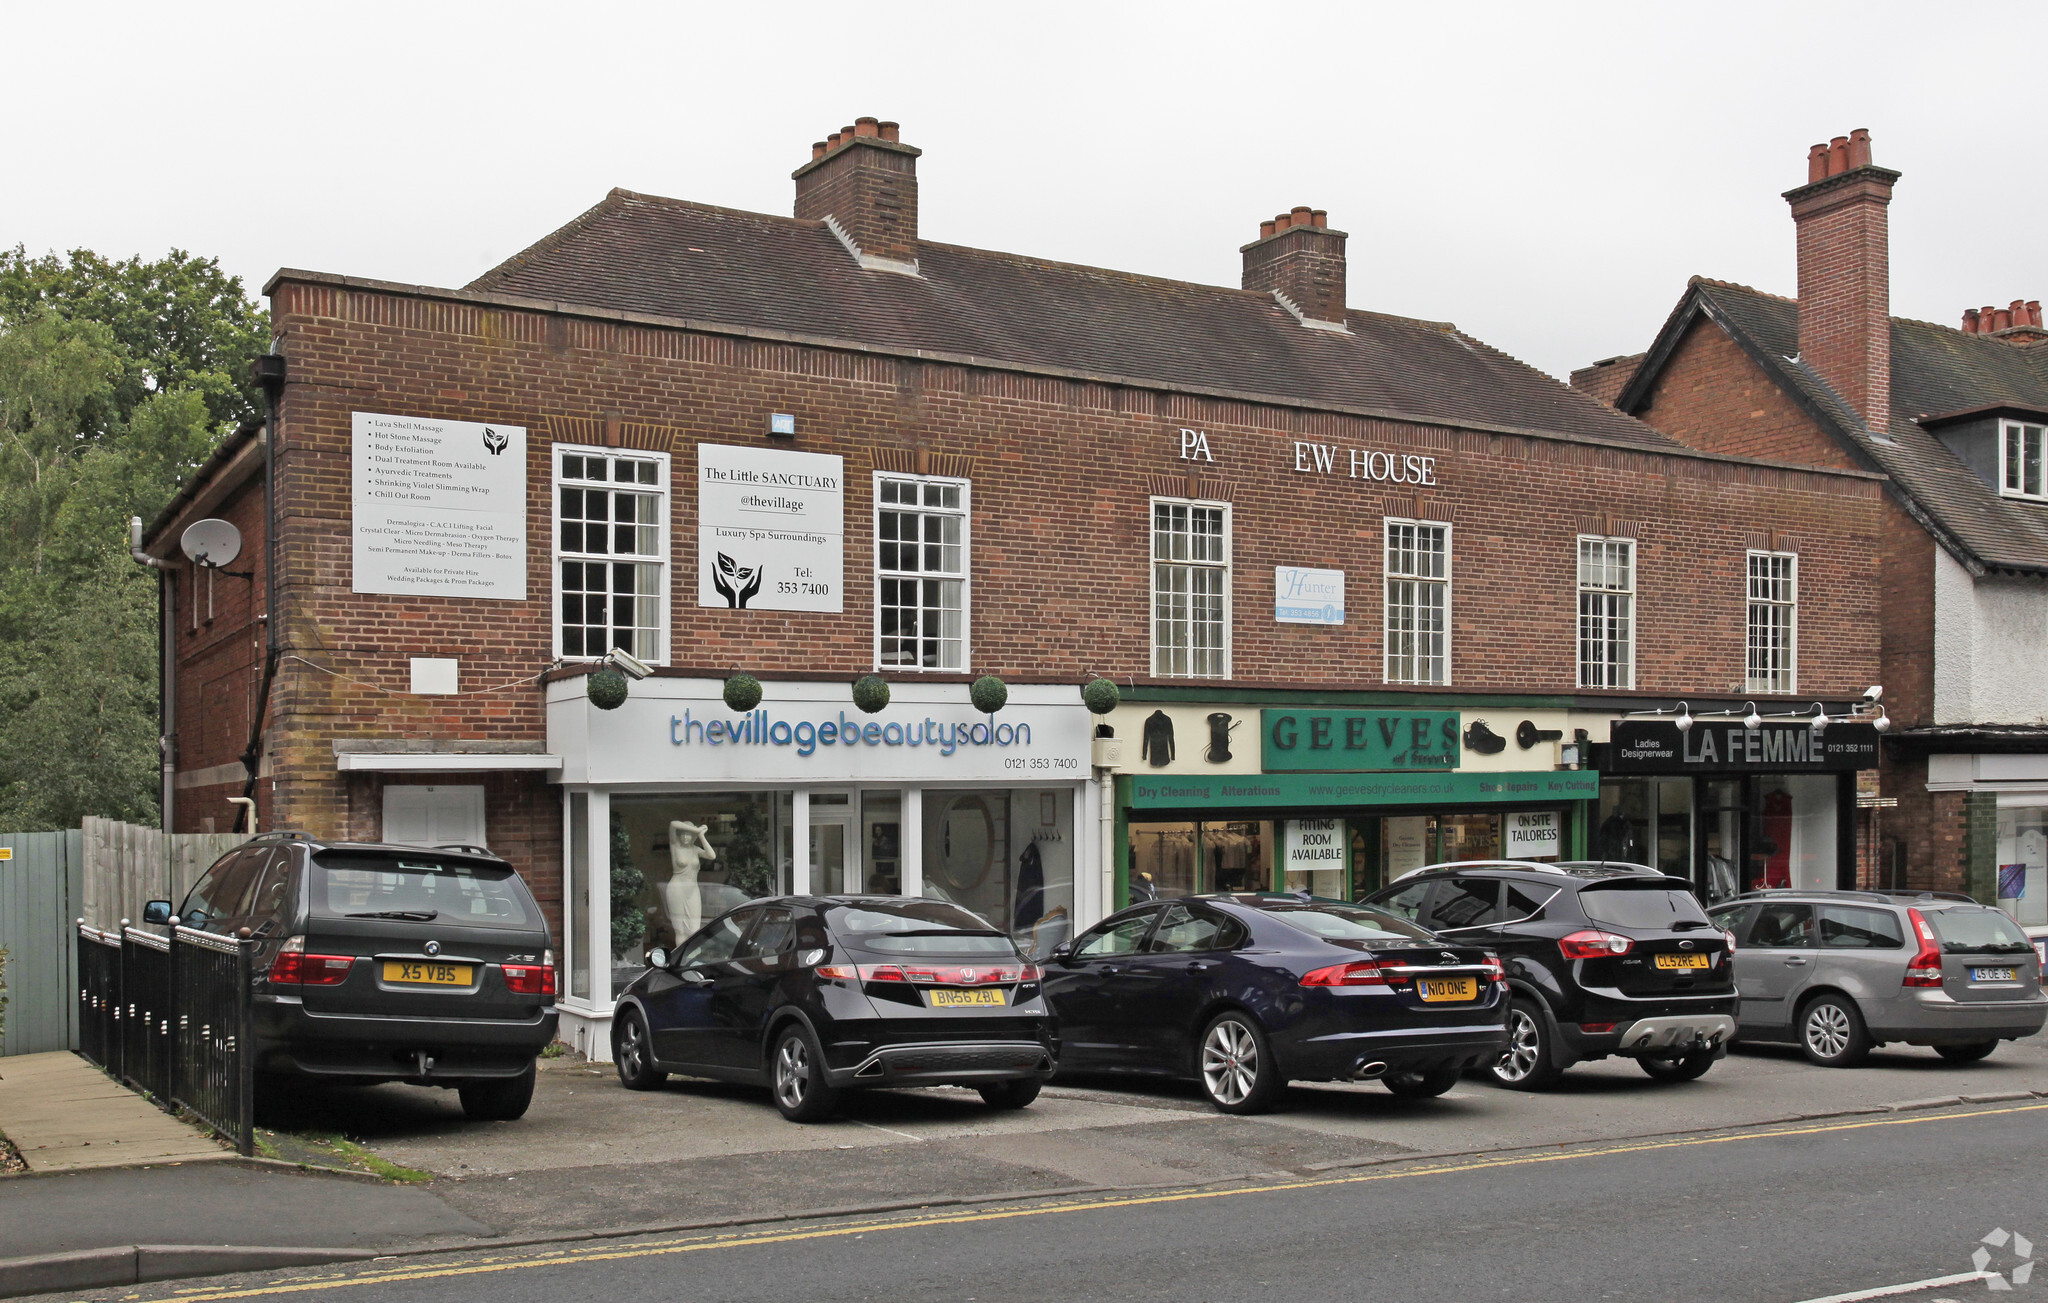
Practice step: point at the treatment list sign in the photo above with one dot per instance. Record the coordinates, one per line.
(439, 507)
(771, 529)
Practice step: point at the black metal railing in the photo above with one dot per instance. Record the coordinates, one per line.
(170, 1016)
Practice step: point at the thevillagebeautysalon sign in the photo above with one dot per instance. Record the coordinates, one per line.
(678, 730)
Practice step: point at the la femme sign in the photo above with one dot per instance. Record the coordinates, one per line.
(1660, 746)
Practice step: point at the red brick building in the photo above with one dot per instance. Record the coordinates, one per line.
(1954, 419)
(1370, 589)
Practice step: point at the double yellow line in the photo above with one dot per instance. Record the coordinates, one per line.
(738, 1239)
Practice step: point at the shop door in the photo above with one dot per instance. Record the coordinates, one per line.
(835, 852)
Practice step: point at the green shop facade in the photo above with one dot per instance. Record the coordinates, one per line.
(1338, 794)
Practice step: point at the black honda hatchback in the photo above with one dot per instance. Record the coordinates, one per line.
(427, 965)
(815, 995)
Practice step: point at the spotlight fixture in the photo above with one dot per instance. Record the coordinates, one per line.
(1820, 718)
(1684, 720)
(1752, 720)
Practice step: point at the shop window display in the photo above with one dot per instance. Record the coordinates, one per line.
(1794, 840)
(678, 861)
(1646, 821)
(1007, 855)
(2023, 863)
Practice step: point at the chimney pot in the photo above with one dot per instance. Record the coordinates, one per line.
(818, 148)
(870, 192)
(1320, 217)
(1816, 164)
(1969, 321)
(867, 127)
(1838, 155)
(2001, 319)
(1307, 270)
(1282, 222)
(1268, 228)
(1859, 147)
(2033, 312)
(1301, 214)
(890, 130)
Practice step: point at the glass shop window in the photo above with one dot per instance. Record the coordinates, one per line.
(679, 861)
(1646, 821)
(1792, 832)
(1006, 855)
(2023, 863)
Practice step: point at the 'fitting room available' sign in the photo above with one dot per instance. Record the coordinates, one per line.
(438, 507)
(1333, 741)
(771, 529)
(1656, 746)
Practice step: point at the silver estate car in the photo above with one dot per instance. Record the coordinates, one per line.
(1839, 972)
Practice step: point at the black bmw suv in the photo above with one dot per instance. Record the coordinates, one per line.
(428, 965)
(1602, 958)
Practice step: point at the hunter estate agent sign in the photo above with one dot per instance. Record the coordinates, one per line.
(438, 507)
(771, 529)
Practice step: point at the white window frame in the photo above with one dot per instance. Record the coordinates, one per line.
(1152, 563)
(1624, 667)
(664, 552)
(2037, 433)
(965, 577)
(1389, 577)
(1750, 606)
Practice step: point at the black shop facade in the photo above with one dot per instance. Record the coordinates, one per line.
(1215, 792)
(1732, 807)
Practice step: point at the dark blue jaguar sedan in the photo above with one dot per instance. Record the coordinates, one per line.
(1246, 992)
(814, 995)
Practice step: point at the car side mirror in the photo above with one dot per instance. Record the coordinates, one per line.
(157, 911)
(657, 958)
(1063, 952)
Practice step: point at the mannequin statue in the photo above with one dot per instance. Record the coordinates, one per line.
(688, 848)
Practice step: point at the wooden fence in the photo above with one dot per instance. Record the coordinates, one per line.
(127, 865)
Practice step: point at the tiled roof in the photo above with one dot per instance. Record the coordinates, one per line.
(1936, 370)
(667, 257)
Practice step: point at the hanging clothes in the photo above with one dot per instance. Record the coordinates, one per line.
(1030, 888)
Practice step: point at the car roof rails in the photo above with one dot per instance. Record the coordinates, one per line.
(1901, 893)
(468, 849)
(285, 835)
(1449, 865)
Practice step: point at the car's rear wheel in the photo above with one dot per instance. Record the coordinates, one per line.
(796, 1072)
(1677, 1067)
(1236, 1065)
(1531, 1059)
(633, 1053)
(1009, 1094)
(1421, 1085)
(1832, 1033)
(1970, 1053)
(497, 1099)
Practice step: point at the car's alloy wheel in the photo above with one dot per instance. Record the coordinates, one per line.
(634, 1055)
(797, 1072)
(1237, 1070)
(1528, 1063)
(1832, 1034)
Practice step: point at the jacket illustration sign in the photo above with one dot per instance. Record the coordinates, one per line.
(771, 529)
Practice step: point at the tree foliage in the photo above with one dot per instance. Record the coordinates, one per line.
(117, 379)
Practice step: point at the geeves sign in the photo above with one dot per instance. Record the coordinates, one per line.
(1356, 740)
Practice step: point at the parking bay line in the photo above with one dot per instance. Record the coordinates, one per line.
(1910, 1287)
(742, 1240)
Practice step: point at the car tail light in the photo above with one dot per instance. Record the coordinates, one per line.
(1594, 944)
(1494, 971)
(294, 967)
(1925, 970)
(530, 979)
(1364, 972)
(938, 974)
(842, 972)
(1730, 938)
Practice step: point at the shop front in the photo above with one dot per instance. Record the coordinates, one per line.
(1732, 808)
(677, 808)
(1337, 802)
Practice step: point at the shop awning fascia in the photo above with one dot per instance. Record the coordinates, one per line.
(1337, 791)
(443, 762)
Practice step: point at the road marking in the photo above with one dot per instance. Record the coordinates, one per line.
(888, 1130)
(1910, 1287)
(727, 1240)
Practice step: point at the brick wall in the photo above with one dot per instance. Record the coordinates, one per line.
(1605, 380)
(1711, 395)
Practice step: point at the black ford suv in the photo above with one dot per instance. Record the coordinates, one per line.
(387, 963)
(1602, 958)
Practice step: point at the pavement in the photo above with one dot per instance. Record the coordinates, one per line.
(65, 1115)
(594, 1158)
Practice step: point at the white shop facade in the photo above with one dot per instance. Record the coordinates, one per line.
(676, 808)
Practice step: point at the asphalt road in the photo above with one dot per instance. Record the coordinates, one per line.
(1792, 1212)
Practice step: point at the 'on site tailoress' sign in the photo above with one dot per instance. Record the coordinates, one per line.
(679, 730)
(771, 529)
(438, 507)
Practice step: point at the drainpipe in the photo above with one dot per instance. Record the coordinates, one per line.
(166, 669)
(268, 370)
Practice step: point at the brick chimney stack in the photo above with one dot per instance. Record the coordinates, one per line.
(1301, 260)
(862, 182)
(1845, 331)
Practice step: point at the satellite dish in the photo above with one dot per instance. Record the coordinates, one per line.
(211, 543)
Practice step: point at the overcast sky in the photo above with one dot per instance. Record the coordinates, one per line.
(1544, 175)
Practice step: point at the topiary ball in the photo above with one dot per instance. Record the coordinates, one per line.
(743, 692)
(1100, 696)
(988, 694)
(871, 693)
(606, 689)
